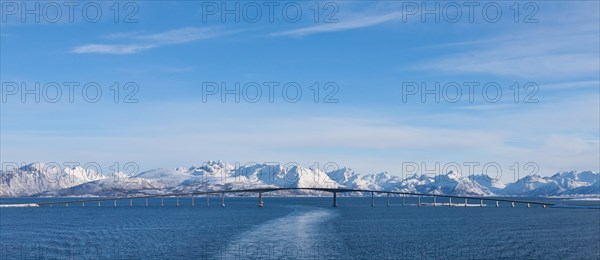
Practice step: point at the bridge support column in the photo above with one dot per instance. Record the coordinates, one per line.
(434, 201)
(260, 200)
(466, 202)
(372, 199)
(388, 200)
(193, 203)
(335, 199)
(497, 204)
(222, 199)
(449, 202)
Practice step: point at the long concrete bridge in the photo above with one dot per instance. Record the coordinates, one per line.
(334, 192)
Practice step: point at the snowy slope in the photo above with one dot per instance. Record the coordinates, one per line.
(344, 176)
(533, 185)
(36, 178)
(118, 185)
(574, 179)
(493, 185)
(452, 183)
(571, 182)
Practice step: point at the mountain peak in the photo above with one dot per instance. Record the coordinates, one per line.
(453, 175)
(33, 167)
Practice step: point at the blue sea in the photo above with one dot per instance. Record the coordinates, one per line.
(297, 228)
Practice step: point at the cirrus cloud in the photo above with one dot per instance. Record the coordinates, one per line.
(142, 42)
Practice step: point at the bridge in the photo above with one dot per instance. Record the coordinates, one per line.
(334, 192)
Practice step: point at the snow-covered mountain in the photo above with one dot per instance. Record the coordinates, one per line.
(40, 180)
(493, 185)
(562, 183)
(450, 183)
(120, 184)
(213, 175)
(37, 178)
(347, 178)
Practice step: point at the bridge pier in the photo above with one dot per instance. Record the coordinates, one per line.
(449, 202)
(388, 200)
(335, 199)
(260, 200)
(372, 199)
(222, 199)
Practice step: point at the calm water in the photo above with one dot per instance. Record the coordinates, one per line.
(296, 228)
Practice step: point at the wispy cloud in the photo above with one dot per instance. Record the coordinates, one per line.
(111, 48)
(345, 24)
(141, 42)
(549, 51)
(181, 35)
(572, 85)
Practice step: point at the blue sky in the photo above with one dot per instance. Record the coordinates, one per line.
(367, 49)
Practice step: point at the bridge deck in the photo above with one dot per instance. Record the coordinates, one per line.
(330, 190)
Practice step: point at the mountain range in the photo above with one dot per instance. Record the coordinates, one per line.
(38, 179)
